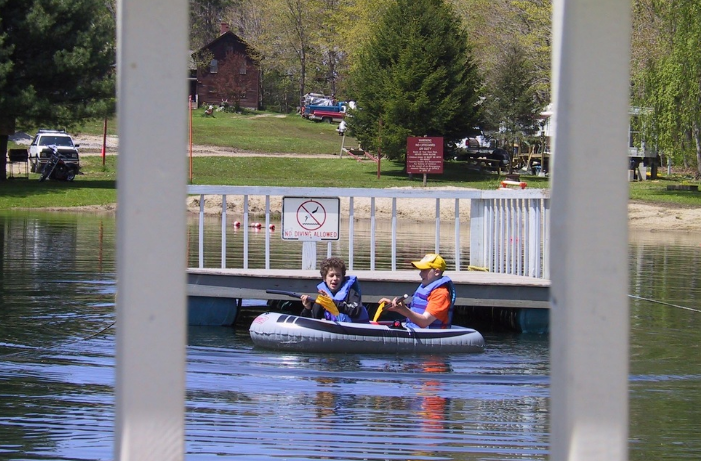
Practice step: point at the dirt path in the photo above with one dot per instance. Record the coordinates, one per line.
(92, 145)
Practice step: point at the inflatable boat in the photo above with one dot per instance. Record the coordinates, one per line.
(284, 332)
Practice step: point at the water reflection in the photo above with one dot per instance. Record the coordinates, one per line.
(57, 367)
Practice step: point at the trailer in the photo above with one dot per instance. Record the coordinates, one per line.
(642, 155)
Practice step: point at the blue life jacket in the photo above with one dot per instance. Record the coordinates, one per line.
(350, 281)
(420, 301)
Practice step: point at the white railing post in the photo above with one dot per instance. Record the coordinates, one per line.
(351, 232)
(200, 237)
(267, 231)
(457, 235)
(589, 293)
(437, 237)
(493, 235)
(246, 227)
(545, 247)
(372, 234)
(308, 255)
(152, 62)
(223, 231)
(394, 233)
(478, 232)
(533, 244)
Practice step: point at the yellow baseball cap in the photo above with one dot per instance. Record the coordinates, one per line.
(430, 261)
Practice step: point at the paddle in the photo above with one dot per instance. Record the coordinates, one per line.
(401, 300)
(321, 299)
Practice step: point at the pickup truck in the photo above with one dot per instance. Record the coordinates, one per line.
(328, 116)
(309, 110)
(39, 152)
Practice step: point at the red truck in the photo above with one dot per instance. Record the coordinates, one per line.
(328, 116)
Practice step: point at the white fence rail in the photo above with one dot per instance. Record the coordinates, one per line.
(509, 235)
(508, 227)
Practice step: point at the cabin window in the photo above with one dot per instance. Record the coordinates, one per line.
(242, 95)
(242, 69)
(635, 132)
(213, 66)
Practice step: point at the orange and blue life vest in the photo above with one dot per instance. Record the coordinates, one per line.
(420, 301)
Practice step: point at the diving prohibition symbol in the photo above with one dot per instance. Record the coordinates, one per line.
(311, 215)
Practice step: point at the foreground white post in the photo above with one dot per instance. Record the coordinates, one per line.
(151, 261)
(589, 270)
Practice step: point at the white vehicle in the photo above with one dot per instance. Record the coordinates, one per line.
(39, 152)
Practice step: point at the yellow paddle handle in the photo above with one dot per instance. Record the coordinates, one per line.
(379, 311)
(328, 304)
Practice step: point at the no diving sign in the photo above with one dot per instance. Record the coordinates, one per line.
(310, 219)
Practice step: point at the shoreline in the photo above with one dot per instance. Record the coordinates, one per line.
(642, 216)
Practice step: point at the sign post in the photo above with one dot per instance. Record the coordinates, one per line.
(310, 220)
(424, 155)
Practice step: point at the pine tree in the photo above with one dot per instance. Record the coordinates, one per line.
(416, 77)
(57, 64)
(513, 106)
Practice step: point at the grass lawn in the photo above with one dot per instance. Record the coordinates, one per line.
(271, 133)
(656, 192)
(98, 185)
(264, 132)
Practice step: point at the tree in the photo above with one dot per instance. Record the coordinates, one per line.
(493, 25)
(415, 75)
(206, 18)
(513, 106)
(289, 38)
(670, 79)
(57, 64)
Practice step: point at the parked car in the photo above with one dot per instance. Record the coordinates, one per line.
(39, 152)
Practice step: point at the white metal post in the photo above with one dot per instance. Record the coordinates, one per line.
(223, 231)
(458, 247)
(200, 237)
(478, 226)
(246, 227)
(372, 234)
(268, 231)
(437, 237)
(351, 231)
(308, 255)
(589, 304)
(152, 53)
(394, 233)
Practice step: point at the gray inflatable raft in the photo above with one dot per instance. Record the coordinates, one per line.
(286, 332)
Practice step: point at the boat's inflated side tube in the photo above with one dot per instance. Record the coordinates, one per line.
(278, 331)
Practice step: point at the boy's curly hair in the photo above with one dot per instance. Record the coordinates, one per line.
(332, 263)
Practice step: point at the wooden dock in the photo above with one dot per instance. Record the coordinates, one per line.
(216, 292)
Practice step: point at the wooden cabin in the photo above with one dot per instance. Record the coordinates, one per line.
(227, 71)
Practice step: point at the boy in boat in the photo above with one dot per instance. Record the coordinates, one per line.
(432, 304)
(343, 289)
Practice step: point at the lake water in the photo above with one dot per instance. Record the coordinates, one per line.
(57, 369)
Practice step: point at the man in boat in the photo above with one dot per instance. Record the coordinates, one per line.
(342, 289)
(433, 301)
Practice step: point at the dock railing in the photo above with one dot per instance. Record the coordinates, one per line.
(508, 227)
